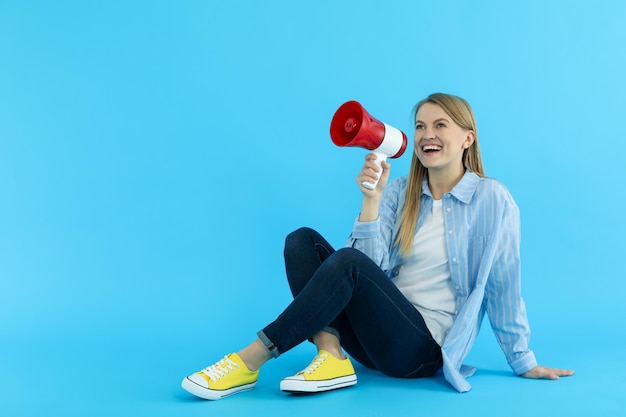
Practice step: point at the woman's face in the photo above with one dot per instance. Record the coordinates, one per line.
(439, 141)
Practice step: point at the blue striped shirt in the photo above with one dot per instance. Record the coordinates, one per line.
(482, 229)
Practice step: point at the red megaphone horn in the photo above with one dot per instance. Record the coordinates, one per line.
(352, 125)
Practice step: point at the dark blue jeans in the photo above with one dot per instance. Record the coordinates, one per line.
(345, 293)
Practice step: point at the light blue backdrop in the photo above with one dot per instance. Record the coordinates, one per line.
(154, 154)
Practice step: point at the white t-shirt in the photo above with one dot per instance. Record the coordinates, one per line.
(425, 277)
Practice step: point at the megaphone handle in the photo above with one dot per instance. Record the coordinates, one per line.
(380, 157)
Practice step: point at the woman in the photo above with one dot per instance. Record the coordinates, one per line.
(428, 256)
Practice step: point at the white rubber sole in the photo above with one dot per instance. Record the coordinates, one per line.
(299, 385)
(211, 394)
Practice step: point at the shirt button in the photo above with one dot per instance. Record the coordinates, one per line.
(448, 209)
(453, 259)
(457, 287)
(449, 232)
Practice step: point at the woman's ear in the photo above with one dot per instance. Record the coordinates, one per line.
(469, 139)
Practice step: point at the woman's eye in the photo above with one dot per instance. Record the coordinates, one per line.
(417, 127)
(441, 125)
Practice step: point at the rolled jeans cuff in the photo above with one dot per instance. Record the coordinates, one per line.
(268, 344)
(274, 349)
(332, 331)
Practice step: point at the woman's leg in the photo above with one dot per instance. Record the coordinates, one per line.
(305, 250)
(342, 290)
(346, 291)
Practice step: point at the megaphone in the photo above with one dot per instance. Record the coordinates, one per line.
(352, 125)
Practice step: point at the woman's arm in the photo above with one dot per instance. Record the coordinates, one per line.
(370, 230)
(370, 206)
(505, 306)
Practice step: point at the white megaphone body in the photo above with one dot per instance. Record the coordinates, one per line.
(352, 125)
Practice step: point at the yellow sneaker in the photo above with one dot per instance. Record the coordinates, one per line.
(227, 377)
(324, 373)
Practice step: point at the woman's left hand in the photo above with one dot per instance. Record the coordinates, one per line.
(543, 372)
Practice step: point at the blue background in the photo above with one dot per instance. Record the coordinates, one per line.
(154, 154)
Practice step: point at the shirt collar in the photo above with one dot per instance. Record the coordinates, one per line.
(463, 191)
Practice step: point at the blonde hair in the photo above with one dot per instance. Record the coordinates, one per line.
(461, 113)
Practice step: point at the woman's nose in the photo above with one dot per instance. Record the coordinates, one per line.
(425, 134)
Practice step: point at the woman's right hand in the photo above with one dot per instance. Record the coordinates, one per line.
(371, 198)
(370, 173)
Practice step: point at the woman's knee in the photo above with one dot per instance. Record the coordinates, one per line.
(346, 262)
(349, 256)
(298, 236)
(295, 241)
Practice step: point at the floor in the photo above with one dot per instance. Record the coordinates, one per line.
(100, 372)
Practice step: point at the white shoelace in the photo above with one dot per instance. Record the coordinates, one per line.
(315, 363)
(220, 369)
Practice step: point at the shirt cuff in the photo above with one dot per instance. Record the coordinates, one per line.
(363, 230)
(524, 363)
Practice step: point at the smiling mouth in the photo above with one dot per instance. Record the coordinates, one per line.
(428, 149)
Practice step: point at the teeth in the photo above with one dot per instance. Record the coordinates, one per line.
(431, 148)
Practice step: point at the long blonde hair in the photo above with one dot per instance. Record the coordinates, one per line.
(461, 113)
